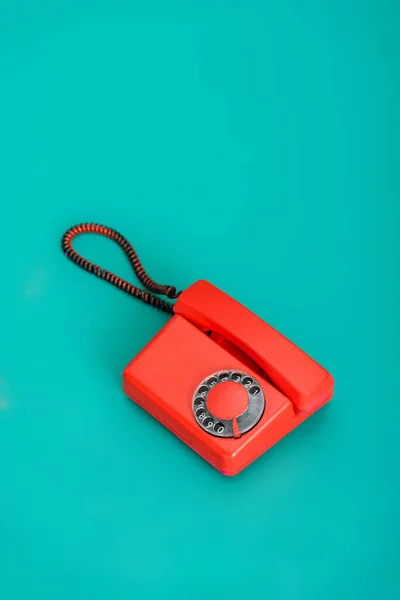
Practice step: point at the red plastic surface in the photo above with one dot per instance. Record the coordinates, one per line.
(165, 374)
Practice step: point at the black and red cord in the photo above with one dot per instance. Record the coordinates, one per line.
(130, 252)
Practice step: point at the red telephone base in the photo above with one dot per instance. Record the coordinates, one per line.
(212, 333)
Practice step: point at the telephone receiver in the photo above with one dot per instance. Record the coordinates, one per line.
(224, 381)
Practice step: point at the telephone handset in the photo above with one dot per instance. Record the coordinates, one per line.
(223, 380)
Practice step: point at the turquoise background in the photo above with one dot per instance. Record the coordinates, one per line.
(254, 144)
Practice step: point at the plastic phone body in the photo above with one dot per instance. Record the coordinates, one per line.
(215, 349)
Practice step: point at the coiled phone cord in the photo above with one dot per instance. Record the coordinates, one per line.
(130, 252)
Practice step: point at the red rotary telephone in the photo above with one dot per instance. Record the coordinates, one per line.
(221, 379)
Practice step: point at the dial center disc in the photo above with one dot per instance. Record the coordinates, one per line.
(227, 400)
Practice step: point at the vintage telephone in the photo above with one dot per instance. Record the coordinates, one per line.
(221, 379)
